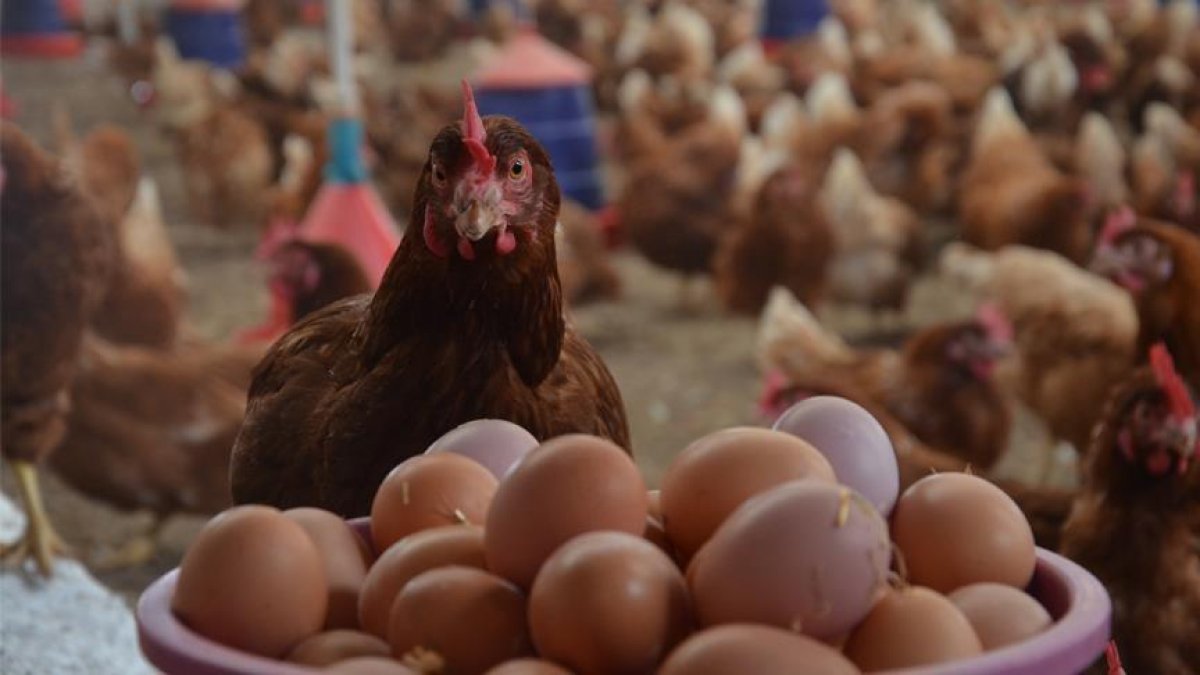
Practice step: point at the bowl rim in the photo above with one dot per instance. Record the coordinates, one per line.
(173, 647)
(1085, 626)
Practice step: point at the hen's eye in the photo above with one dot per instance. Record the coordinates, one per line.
(517, 169)
(439, 176)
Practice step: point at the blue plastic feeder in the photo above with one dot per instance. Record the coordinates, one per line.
(548, 90)
(36, 28)
(783, 20)
(208, 31)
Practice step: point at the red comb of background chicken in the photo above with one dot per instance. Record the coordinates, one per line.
(1178, 399)
(474, 135)
(994, 322)
(1113, 657)
(1118, 222)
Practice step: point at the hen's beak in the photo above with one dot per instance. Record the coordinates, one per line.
(477, 219)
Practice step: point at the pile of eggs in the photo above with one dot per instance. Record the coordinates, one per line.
(781, 550)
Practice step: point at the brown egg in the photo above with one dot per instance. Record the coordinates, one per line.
(1001, 615)
(430, 491)
(565, 487)
(252, 580)
(346, 561)
(911, 627)
(742, 649)
(529, 667)
(416, 553)
(369, 665)
(713, 476)
(608, 602)
(464, 618)
(955, 529)
(330, 647)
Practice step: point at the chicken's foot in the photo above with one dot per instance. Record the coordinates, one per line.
(39, 541)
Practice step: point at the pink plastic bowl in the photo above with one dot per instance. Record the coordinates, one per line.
(1075, 599)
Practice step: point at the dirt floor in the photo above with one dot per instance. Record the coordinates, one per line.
(682, 374)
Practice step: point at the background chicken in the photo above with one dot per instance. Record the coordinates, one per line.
(1133, 524)
(583, 264)
(1159, 265)
(1012, 194)
(786, 241)
(939, 385)
(226, 158)
(878, 238)
(676, 205)
(57, 255)
(1075, 333)
(457, 331)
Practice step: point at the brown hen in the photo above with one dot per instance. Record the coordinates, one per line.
(940, 385)
(57, 256)
(1135, 522)
(466, 324)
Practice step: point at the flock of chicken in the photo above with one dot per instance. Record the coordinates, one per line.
(1058, 145)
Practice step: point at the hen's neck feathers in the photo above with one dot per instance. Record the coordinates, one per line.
(513, 301)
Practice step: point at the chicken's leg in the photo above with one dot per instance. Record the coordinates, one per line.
(39, 541)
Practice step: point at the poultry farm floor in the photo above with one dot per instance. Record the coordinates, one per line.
(682, 374)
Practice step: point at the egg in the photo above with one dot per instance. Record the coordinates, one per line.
(911, 627)
(369, 665)
(806, 556)
(855, 444)
(252, 580)
(1001, 615)
(713, 476)
(330, 647)
(430, 491)
(464, 618)
(608, 602)
(416, 553)
(741, 649)
(955, 529)
(565, 487)
(346, 561)
(495, 444)
(529, 667)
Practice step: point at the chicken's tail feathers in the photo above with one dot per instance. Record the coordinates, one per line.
(999, 118)
(829, 99)
(792, 340)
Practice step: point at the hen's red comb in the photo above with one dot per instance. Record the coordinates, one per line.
(474, 135)
(1117, 222)
(998, 327)
(1178, 399)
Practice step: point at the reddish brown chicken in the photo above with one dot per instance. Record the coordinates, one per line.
(310, 276)
(1159, 264)
(1134, 523)
(467, 323)
(57, 256)
(786, 241)
(1012, 194)
(940, 385)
